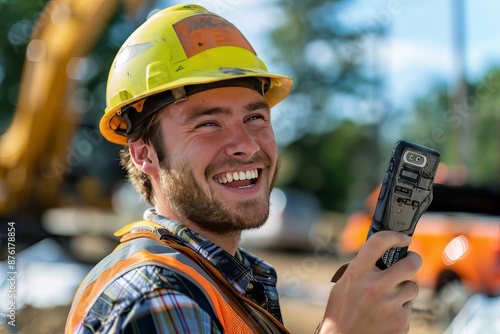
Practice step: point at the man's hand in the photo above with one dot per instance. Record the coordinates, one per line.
(369, 300)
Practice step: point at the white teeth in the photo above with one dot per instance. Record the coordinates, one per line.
(237, 176)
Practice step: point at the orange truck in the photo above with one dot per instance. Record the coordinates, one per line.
(458, 239)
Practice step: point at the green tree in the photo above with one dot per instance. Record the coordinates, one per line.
(334, 166)
(330, 63)
(440, 120)
(17, 20)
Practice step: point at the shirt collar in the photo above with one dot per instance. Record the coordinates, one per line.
(238, 271)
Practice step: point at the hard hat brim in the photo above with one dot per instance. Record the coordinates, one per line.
(279, 89)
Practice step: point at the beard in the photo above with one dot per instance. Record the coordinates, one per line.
(189, 200)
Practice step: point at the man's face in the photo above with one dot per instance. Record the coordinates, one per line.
(221, 159)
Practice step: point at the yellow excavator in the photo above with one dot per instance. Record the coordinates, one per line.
(34, 155)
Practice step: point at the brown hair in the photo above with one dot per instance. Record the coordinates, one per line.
(150, 132)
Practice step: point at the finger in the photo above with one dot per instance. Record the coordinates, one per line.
(404, 269)
(407, 310)
(375, 247)
(407, 291)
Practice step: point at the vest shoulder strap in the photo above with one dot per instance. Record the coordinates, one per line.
(245, 306)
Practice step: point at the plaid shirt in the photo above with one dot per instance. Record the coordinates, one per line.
(152, 299)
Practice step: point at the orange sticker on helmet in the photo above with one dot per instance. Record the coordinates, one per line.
(202, 32)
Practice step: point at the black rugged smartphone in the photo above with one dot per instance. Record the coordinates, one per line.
(405, 194)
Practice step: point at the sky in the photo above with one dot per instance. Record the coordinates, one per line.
(418, 49)
(420, 43)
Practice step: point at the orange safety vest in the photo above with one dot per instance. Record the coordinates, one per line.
(142, 244)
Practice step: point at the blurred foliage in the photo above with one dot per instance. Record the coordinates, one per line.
(436, 120)
(17, 20)
(329, 60)
(342, 161)
(334, 166)
(331, 148)
(339, 158)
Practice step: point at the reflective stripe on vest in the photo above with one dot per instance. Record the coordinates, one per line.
(144, 251)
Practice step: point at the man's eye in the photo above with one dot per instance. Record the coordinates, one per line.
(255, 117)
(206, 124)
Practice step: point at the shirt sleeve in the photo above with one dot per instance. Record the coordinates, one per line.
(166, 311)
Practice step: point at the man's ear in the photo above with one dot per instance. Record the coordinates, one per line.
(144, 157)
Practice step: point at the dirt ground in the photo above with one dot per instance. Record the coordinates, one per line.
(304, 287)
(303, 303)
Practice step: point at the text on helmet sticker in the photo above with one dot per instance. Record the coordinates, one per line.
(202, 32)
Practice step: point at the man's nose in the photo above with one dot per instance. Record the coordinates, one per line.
(241, 142)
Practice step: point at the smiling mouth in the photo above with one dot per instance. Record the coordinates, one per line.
(238, 179)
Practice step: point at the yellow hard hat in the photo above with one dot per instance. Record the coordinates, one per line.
(175, 51)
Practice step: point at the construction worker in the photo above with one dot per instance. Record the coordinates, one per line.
(191, 101)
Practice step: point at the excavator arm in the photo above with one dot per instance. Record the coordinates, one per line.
(34, 148)
(43, 121)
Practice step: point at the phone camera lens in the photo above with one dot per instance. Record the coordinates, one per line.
(411, 156)
(418, 159)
